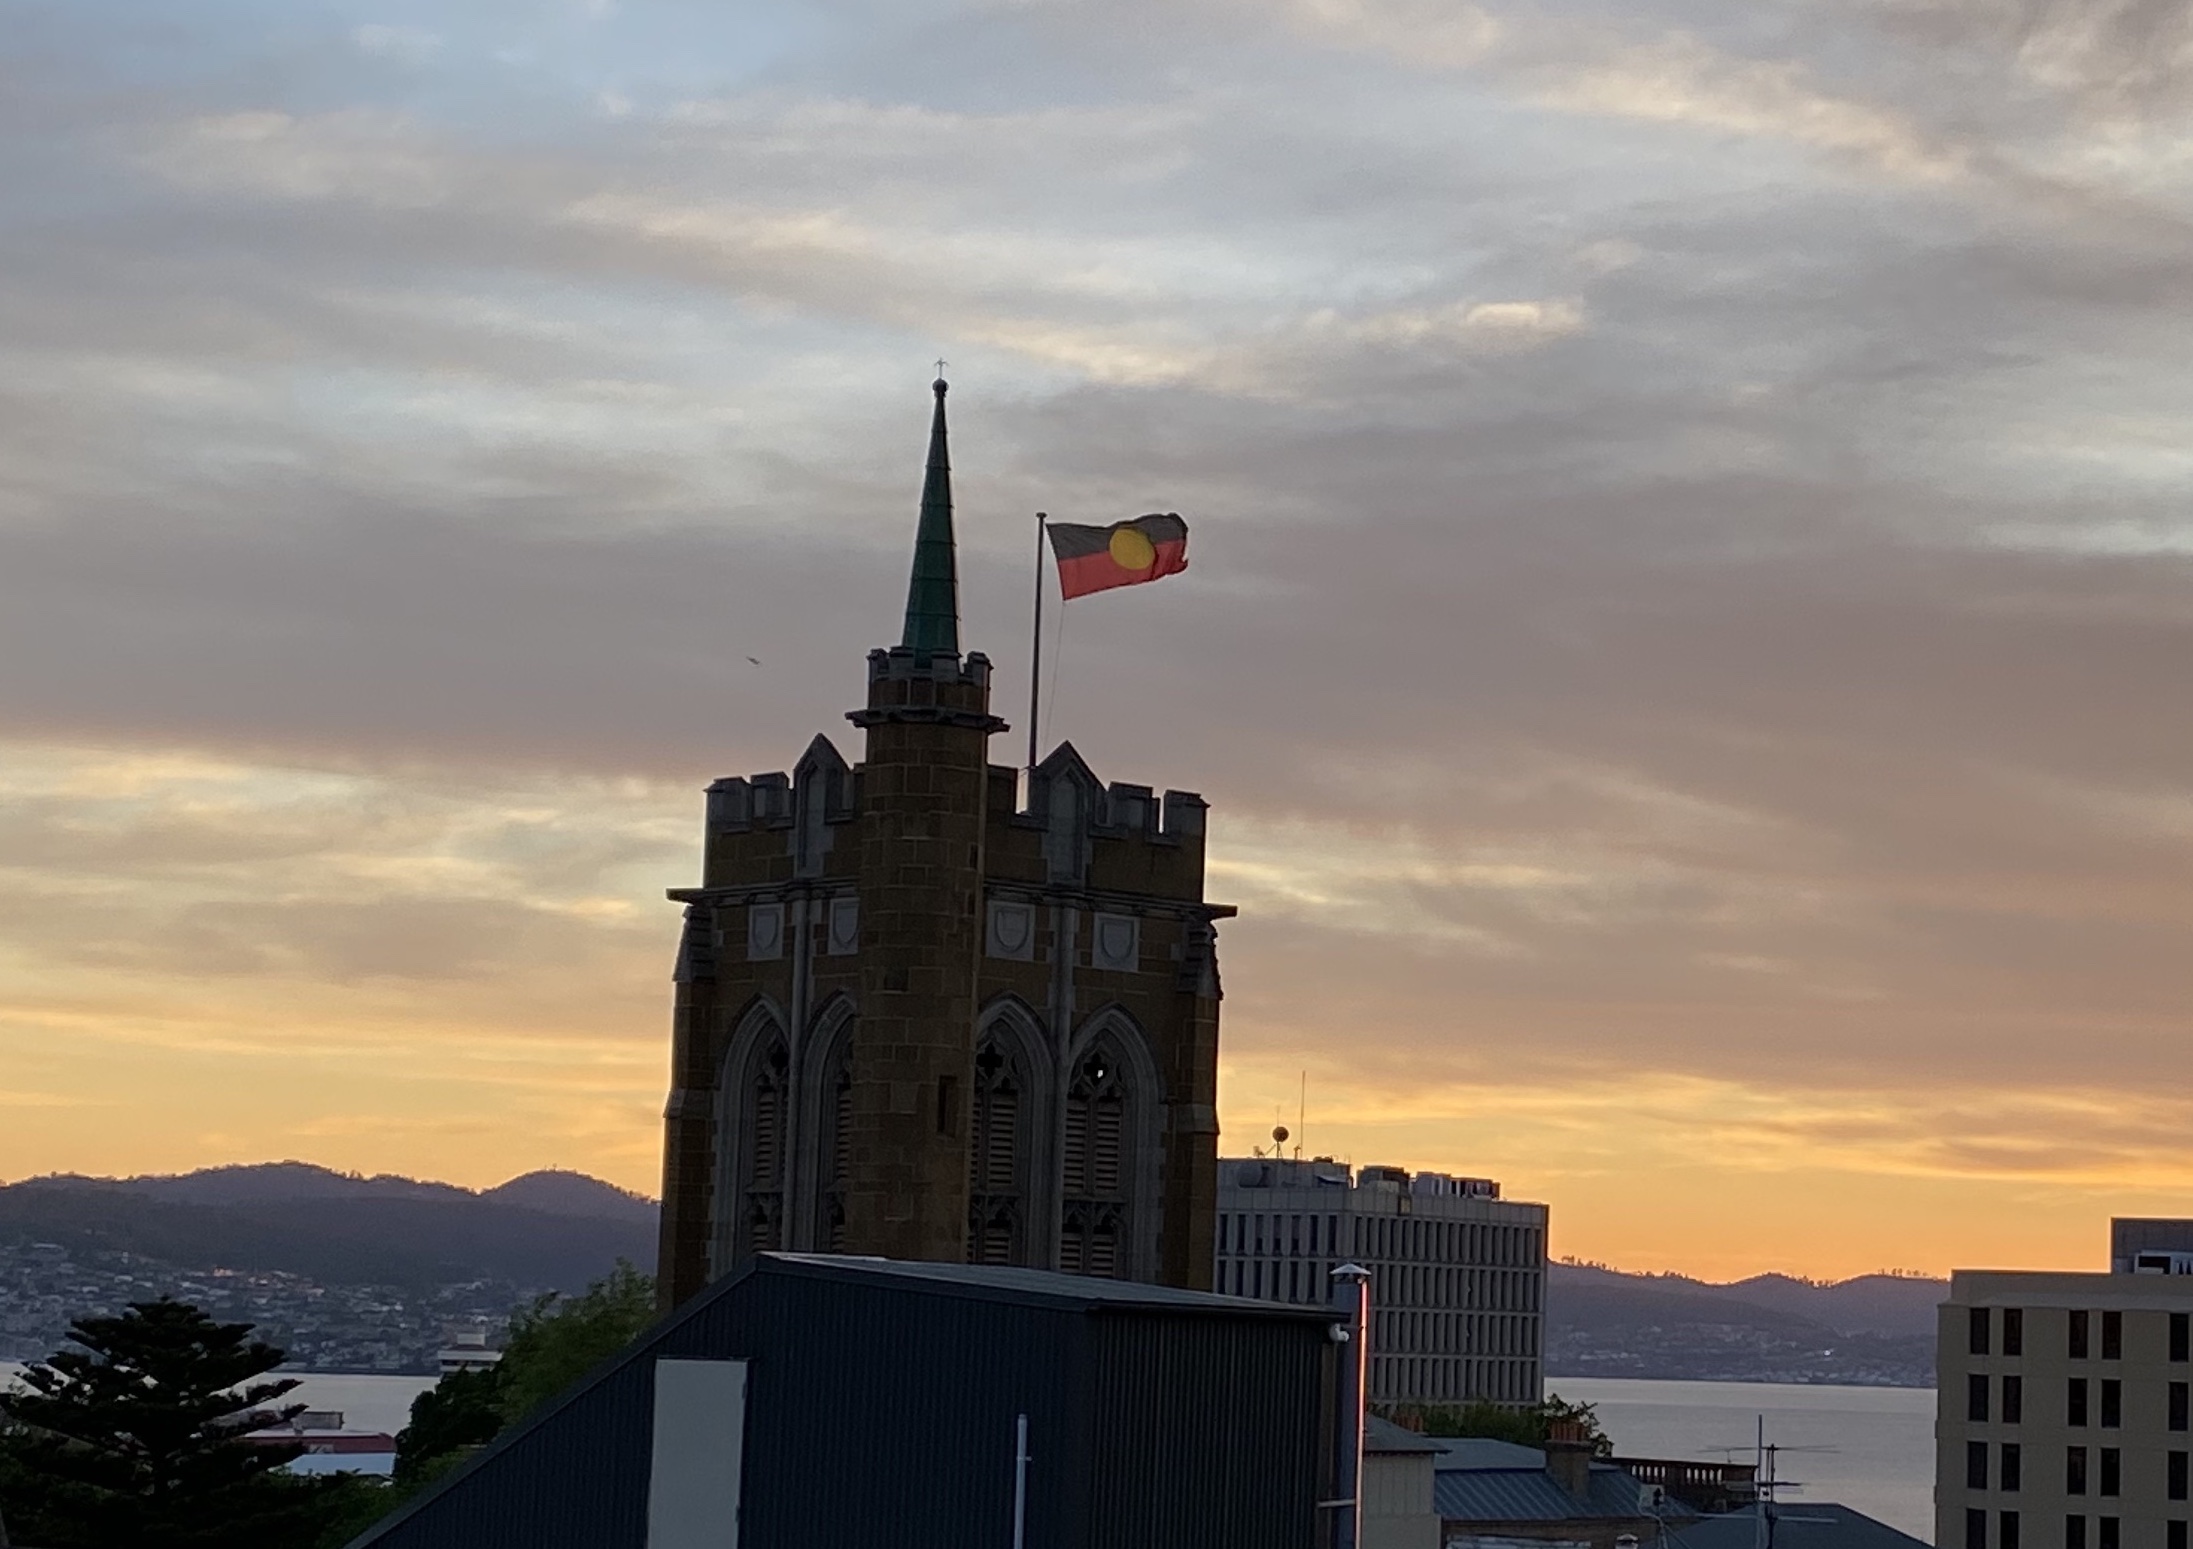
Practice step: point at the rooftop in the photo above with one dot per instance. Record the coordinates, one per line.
(1041, 1286)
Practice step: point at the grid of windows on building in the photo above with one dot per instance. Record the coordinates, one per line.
(2077, 1401)
(1458, 1274)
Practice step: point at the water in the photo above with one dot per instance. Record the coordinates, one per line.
(1875, 1446)
(369, 1403)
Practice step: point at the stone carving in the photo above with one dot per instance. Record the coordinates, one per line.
(1116, 943)
(1012, 930)
(764, 932)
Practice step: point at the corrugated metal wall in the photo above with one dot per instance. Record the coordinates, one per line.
(883, 1414)
(1207, 1432)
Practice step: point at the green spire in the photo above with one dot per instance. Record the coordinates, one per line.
(932, 596)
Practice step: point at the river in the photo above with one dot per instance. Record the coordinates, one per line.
(1871, 1449)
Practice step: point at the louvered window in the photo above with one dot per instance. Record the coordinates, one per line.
(838, 1150)
(1092, 1239)
(994, 1166)
(762, 1164)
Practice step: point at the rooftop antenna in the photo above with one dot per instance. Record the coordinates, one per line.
(1302, 1116)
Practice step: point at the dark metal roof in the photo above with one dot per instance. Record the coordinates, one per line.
(1385, 1437)
(1045, 1288)
(1797, 1525)
(1532, 1495)
(1154, 1417)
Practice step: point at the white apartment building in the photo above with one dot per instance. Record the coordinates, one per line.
(2062, 1406)
(1458, 1275)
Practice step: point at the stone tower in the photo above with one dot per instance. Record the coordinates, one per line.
(917, 1017)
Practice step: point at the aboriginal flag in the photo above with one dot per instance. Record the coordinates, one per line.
(1095, 559)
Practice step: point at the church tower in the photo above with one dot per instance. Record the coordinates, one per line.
(918, 1019)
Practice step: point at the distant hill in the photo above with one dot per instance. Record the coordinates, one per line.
(558, 1193)
(1875, 1329)
(1868, 1304)
(553, 1230)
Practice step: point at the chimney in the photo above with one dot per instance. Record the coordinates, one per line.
(1568, 1459)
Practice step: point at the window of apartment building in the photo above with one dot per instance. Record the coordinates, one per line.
(2174, 1536)
(2013, 1467)
(2074, 1533)
(2077, 1345)
(2181, 1335)
(1975, 1465)
(2112, 1471)
(2074, 1470)
(1976, 1396)
(2112, 1403)
(2178, 1406)
(2075, 1402)
(2013, 1331)
(2108, 1537)
(1975, 1528)
(2013, 1400)
(2006, 1535)
(2175, 1476)
(1979, 1319)
(2112, 1336)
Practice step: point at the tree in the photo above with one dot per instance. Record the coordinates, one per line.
(462, 1411)
(556, 1341)
(133, 1440)
(552, 1344)
(1525, 1427)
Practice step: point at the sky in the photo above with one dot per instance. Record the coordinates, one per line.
(1687, 644)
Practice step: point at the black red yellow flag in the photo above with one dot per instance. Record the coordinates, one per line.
(1095, 559)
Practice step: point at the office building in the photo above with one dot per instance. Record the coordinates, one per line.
(919, 1018)
(1458, 1274)
(2063, 1404)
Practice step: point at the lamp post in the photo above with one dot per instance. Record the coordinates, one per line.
(1352, 1301)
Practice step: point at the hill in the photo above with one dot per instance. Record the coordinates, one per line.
(1875, 1329)
(545, 1230)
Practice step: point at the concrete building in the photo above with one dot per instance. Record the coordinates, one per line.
(1458, 1275)
(920, 1018)
(2062, 1410)
(1397, 1486)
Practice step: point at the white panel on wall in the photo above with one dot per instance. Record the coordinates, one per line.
(700, 1433)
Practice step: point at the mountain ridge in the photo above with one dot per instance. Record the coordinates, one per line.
(553, 1190)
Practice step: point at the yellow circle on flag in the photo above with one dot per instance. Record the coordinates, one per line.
(1132, 549)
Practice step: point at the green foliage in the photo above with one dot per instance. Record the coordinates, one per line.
(131, 1442)
(1526, 1427)
(462, 1411)
(552, 1344)
(345, 1505)
(556, 1341)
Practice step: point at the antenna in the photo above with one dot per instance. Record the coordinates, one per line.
(1302, 1116)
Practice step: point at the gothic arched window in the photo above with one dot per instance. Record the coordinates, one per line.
(1093, 1223)
(763, 1107)
(995, 1208)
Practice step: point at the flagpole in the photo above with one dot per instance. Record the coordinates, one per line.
(1035, 657)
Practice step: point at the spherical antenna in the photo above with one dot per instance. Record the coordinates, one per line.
(1279, 1134)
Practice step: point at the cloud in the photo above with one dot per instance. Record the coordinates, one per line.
(1681, 644)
